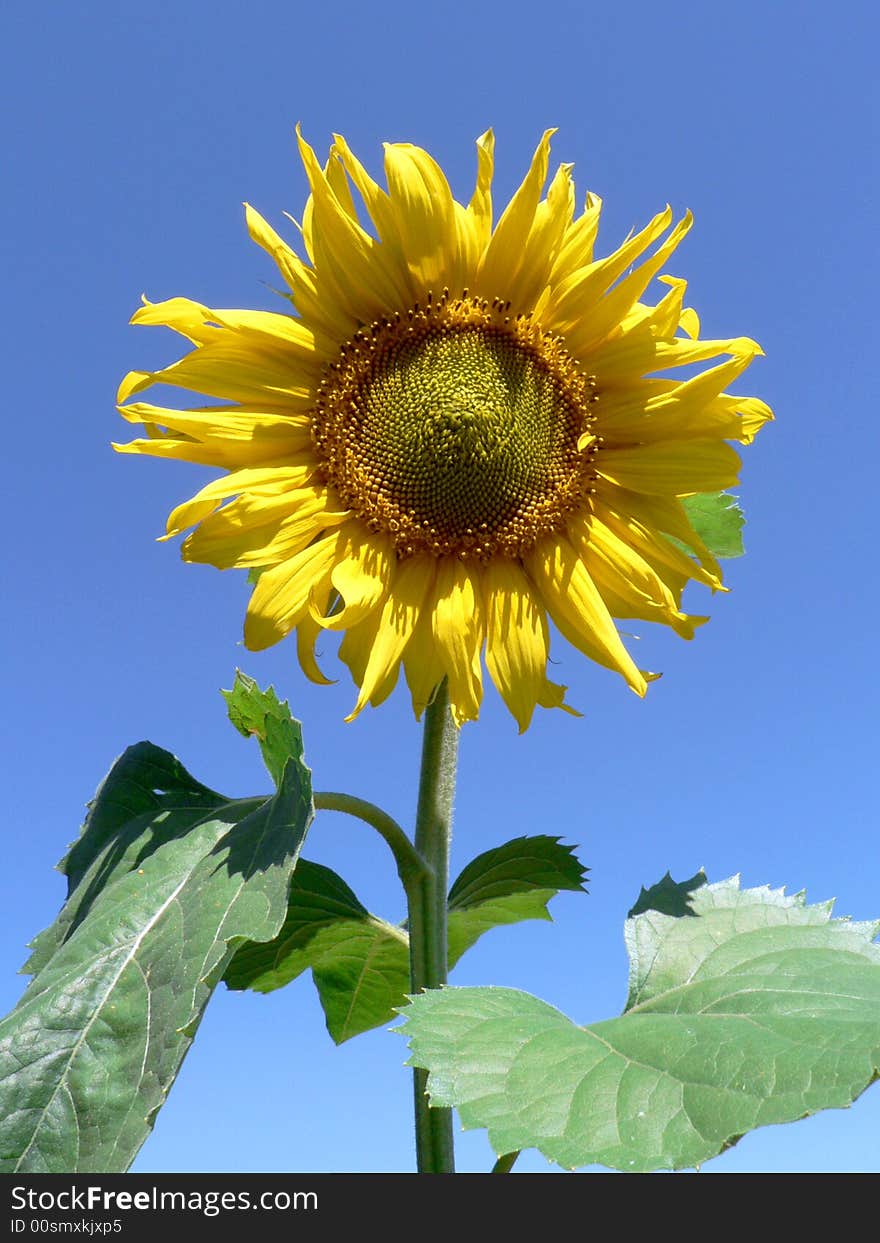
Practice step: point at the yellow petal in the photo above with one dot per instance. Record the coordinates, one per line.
(576, 606)
(376, 200)
(628, 584)
(623, 518)
(607, 314)
(576, 250)
(671, 468)
(213, 452)
(261, 481)
(424, 214)
(395, 624)
(210, 452)
(281, 595)
(679, 411)
(289, 263)
(236, 423)
(665, 317)
(321, 313)
(259, 531)
(640, 351)
(307, 632)
(627, 603)
(357, 272)
(667, 515)
(360, 576)
(227, 436)
(752, 412)
(356, 645)
(458, 632)
(576, 296)
(553, 696)
(280, 335)
(552, 217)
(334, 171)
(190, 319)
(231, 369)
(480, 207)
(504, 251)
(516, 639)
(422, 665)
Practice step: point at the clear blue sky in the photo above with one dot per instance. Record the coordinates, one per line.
(134, 132)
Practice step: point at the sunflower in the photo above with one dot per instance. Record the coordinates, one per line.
(462, 432)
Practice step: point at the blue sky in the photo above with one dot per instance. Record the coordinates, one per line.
(134, 134)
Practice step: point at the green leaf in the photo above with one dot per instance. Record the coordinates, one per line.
(259, 712)
(668, 896)
(167, 879)
(508, 884)
(319, 899)
(718, 520)
(759, 1010)
(146, 799)
(361, 972)
(360, 963)
(519, 866)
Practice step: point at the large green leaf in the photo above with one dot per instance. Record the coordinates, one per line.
(360, 963)
(753, 1009)
(146, 799)
(718, 520)
(167, 879)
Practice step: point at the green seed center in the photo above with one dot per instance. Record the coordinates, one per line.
(455, 431)
(464, 429)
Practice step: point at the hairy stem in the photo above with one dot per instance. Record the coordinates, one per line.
(428, 912)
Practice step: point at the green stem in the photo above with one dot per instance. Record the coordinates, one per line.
(504, 1164)
(426, 895)
(410, 864)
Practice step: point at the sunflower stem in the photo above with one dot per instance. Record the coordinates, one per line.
(428, 910)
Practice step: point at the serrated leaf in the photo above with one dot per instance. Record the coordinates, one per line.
(519, 866)
(508, 884)
(760, 1010)
(668, 896)
(259, 713)
(360, 963)
(718, 520)
(159, 902)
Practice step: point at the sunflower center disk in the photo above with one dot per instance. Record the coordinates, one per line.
(455, 429)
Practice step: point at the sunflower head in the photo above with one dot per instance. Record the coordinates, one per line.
(464, 429)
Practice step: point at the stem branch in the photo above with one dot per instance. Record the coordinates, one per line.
(410, 863)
